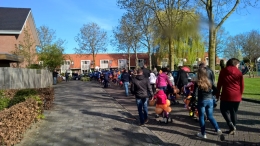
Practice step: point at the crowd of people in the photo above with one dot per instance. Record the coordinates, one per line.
(145, 84)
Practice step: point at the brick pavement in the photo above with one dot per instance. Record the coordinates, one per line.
(84, 115)
(183, 129)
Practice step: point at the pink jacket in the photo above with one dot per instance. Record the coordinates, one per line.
(161, 97)
(162, 80)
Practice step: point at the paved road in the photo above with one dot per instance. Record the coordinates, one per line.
(84, 115)
(183, 129)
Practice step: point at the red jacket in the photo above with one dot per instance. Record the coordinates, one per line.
(232, 84)
(161, 97)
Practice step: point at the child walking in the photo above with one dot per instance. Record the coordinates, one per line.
(162, 104)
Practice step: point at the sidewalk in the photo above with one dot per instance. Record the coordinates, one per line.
(183, 129)
(84, 115)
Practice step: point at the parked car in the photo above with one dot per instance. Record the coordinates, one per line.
(76, 76)
(190, 75)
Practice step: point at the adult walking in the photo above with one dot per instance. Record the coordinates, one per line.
(163, 80)
(106, 78)
(55, 75)
(152, 79)
(203, 90)
(182, 78)
(146, 71)
(67, 76)
(231, 85)
(141, 88)
(211, 77)
(125, 78)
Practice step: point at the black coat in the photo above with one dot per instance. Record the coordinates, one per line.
(146, 72)
(125, 77)
(182, 78)
(140, 87)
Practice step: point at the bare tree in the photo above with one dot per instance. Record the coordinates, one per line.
(233, 47)
(217, 13)
(26, 49)
(128, 35)
(91, 40)
(251, 45)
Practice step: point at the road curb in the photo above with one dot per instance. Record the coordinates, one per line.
(251, 100)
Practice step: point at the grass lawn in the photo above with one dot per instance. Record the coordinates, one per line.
(252, 87)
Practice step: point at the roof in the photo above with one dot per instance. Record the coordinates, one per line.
(13, 19)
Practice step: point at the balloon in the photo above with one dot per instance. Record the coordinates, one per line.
(168, 109)
(158, 110)
(152, 102)
(189, 97)
(168, 103)
(164, 106)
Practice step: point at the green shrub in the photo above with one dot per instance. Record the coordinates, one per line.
(4, 102)
(26, 92)
(85, 79)
(22, 95)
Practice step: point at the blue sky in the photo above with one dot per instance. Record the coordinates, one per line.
(66, 17)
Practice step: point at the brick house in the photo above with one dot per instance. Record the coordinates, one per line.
(81, 63)
(13, 22)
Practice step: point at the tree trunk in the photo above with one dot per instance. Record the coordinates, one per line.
(129, 58)
(150, 57)
(136, 60)
(171, 54)
(94, 62)
(212, 49)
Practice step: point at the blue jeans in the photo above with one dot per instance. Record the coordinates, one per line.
(142, 109)
(126, 88)
(54, 80)
(206, 106)
(164, 88)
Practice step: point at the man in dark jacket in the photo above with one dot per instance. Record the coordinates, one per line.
(106, 79)
(141, 88)
(210, 72)
(55, 76)
(125, 78)
(182, 78)
(146, 72)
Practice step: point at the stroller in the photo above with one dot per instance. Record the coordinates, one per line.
(191, 105)
(172, 94)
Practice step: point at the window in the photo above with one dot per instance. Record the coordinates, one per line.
(40, 62)
(104, 61)
(66, 62)
(104, 64)
(140, 62)
(122, 63)
(20, 47)
(85, 65)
